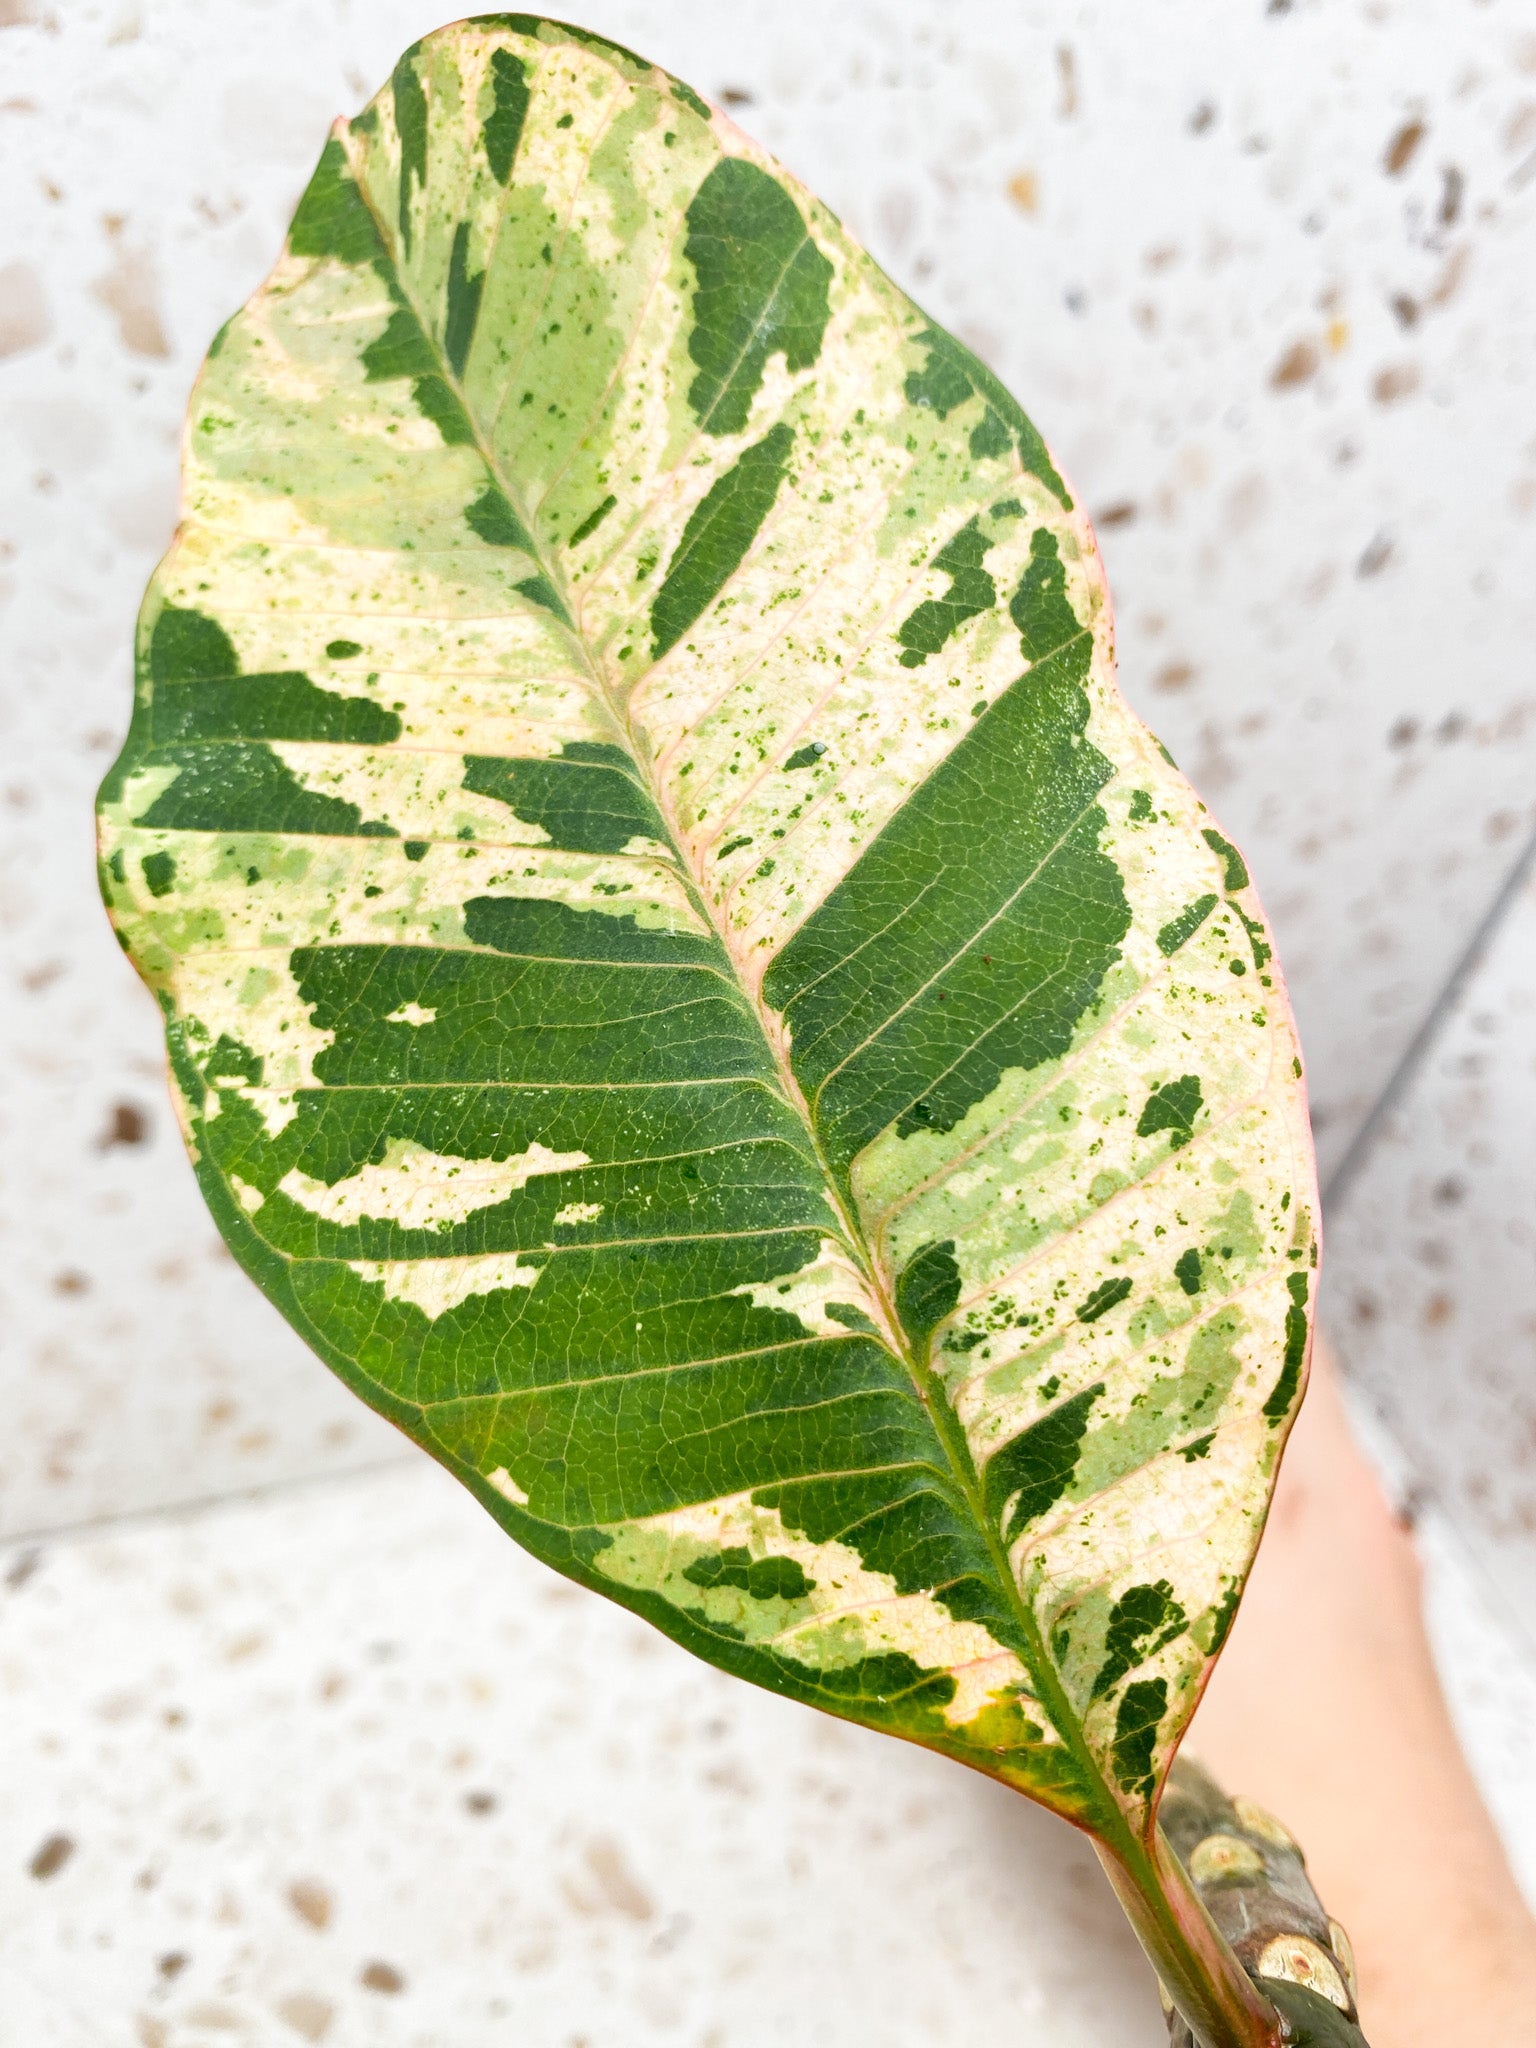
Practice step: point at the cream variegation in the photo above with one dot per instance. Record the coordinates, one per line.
(687, 982)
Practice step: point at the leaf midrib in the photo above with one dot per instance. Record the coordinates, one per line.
(1111, 1823)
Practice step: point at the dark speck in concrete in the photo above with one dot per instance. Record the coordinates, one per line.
(1299, 362)
(1376, 556)
(1402, 147)
(311, 1901)
(127, 1125)
(21, 1568)
(51, 1857)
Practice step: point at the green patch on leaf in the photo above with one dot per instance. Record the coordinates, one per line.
(1278, 1406)
(159, 873)
(1142, 1707)
(721, 528)
(1234, 868)
(806, 756)
(1172, 1107)
(410, 104)
(765, 1578)
(1107, 1295)
(187, 646)
(1031, 1473)
(593, 521)
(926, 1292)
(762, 288)
(403, 350)
(1008, 814)
(1141, 1621)
(971, 592)
(503, 129)
(241, 786)
(1040, 607)
(464, 290)
(333, 218)
(493, 518)
(232, 1061)
(1178, 930)
(587, 798)
(949, 376)
(285, 706)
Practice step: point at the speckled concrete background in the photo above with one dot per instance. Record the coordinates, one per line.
(337, 1765)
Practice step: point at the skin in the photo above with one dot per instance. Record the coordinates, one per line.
(1350, 1743)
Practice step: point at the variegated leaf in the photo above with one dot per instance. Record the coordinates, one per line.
(688, 985)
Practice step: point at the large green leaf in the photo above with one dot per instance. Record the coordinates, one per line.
(688, 985)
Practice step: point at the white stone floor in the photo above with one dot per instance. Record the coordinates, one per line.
(342, 1765)
(333, 1761)
(351, 1726)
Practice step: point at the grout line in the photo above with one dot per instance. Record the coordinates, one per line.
(1337, 1186)
(1406, 1475)
(200, 1504)
(1444, 1527)
(1398, 1453)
